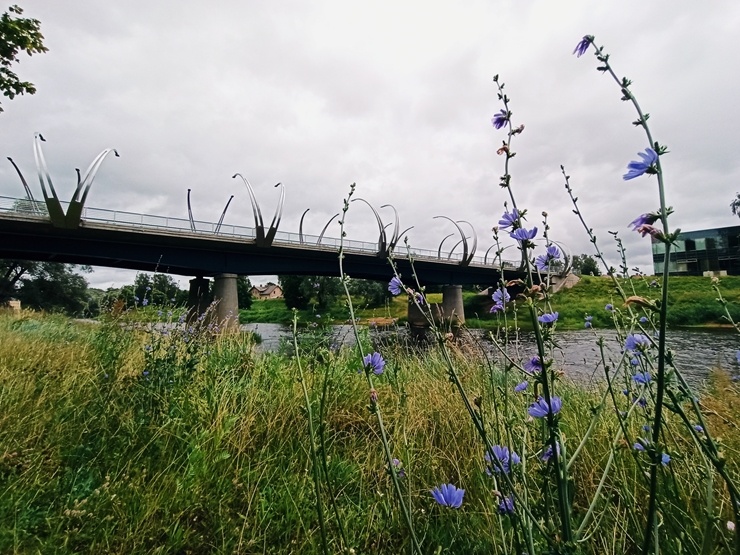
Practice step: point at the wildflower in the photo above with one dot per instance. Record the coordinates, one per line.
(541, 408)
(636, 342)
(648, 230)
(542, 262)
(522, 234)
(521, 386)
(395, 286)
(665, 458)
(587, 322)
(699, 429)
(534, 364)
(508, 219)
(500, 298)
(398, 468)
(548, 318)
(145, 302)
(136, 299)
(609, 307)
(582, 46)
(505, 457)
(642, 402)
(420, 299)
(639, 447)
(635, 361)
(500, 119)
(730, 526)
(643, 319)
(547, 454)
(374, 362)
(506, 506)
(448, 495)
(373, 396)
(642, 378)
(145, 373)
(637, 168)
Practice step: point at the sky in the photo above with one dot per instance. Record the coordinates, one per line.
(395, 96)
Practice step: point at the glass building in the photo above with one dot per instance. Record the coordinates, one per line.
(704, 252)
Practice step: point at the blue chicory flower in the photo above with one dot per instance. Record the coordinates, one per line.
(540, 408)
(609, 307)
(506, 506)
(395, 286)
(642, 378)
(505, 457)
(500, 298)
(582, 46)
(542, 262)
(374, 362)
(398, 468)
(699, 429)
(638, 168)
(508, 219)
(548, 318)
(665, 458)
(522, 234)
(533, 364)
(521, 386)
(448, 495)
(636, 342)
(500, 119)
(587, 322)
(547, 454)
(643, 319)
(638, 446)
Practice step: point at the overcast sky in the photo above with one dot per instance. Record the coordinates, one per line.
(396, 96)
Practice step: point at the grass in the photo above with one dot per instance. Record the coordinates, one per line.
(121, 440)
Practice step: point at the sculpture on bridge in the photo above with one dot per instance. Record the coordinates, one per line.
(264, 239)
(217, 228)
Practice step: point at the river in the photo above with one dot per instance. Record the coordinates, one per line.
(696, 352)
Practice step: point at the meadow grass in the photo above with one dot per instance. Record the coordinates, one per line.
(120, 440)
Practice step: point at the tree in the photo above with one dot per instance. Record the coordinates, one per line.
(294, 291)
(373, 293)
(17, 34)
(244, 292)
(735, 205)
(302, 291)
(585, 265)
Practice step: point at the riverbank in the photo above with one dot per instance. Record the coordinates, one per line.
(121, 440)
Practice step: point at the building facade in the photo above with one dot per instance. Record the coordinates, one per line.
(704, 252)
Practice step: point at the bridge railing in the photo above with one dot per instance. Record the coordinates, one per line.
(28, 208)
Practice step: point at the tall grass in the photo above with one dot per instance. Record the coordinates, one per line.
(96, 456)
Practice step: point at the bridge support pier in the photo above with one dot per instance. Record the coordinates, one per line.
(198, 297)
(227, 299)
(450, 311)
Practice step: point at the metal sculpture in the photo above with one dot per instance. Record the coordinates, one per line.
(216, 229)
(467, 256)
(382, 239)
(72, 218)
(264, 239)
(29, 195)
(321, 235)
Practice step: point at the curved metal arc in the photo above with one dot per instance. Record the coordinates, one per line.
(223, 214)
(29, 194)
(439, 250)
(300, 226)
(465, 260)
(56, 212)
(321, 236)
(277, 217)
(87, 180)
(396, 226)
(452, 251)
(259, 225)
(474, 246)
(190, 214)
(382, 241)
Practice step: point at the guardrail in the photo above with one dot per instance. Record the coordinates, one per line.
(133, 220)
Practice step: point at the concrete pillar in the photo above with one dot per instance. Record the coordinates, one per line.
(227, 299)
(198, 297)
(452, 304)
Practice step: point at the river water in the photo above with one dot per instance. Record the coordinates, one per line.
(696, 352)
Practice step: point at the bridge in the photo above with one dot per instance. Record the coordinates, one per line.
(71, 232)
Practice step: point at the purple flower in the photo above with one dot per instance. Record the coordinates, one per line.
(448, 495)
(547, 454)
(500, 119)
(145, 302)
(582, 46)
(374, 362)
(642, 378)
(540, 408)
(665, 458)
(639, 447)
(398, 468)
(638, 168)
(500, 298)
(609, 307)
(522, 234)
(643, 319)
(420, 299)
(508, 219)
(506, 507)
(521, 386)
(587, 323)
(542, 262)
(636, 342)
(395, 286)
(505, 457)
(533, 364)
(699, 429)
(548, 318)
(644, 219)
